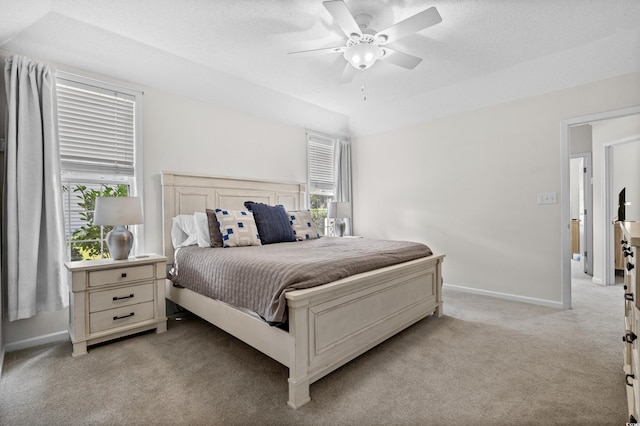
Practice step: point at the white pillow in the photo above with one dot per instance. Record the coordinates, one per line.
(183, 231)
(202, 229)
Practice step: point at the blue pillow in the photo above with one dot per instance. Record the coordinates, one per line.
(272, 222)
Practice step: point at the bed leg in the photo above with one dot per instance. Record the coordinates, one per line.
(440, 280)
(438, 312)
(299, 355)
(298, 393)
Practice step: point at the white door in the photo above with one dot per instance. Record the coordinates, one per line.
(582, 206)
(586, 215)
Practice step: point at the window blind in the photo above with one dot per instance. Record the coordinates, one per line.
(321, 163)
(97, 129)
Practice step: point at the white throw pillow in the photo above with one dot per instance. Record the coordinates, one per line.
(183, 231)
(202, 229)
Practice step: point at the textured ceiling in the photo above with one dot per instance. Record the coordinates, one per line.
(235, 52)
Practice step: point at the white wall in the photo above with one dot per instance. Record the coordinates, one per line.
(467, 186)
(182, 134)
(581, 139)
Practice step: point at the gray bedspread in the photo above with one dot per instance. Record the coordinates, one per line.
(257, 277)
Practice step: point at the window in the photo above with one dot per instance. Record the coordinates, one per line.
(100, 155)
(321, 173)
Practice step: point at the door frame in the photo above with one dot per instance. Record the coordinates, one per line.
(565, 188)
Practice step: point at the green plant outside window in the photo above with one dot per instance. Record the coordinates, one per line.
(86, 240)
(319, 206)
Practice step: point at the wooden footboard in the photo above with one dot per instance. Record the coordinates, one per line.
(330, 325)
(335, 323)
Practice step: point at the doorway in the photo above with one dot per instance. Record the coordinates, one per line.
(603, 237)
(621, 174)
(582, 210)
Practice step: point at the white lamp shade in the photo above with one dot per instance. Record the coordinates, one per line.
(339, 209)
(117, 211)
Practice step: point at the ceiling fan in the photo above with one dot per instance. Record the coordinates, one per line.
(365, 46)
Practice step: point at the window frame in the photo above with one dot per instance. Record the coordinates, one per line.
(135, 182)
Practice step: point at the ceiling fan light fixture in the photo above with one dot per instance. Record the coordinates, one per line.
(381, 38)
(364, 45)
(363, 55)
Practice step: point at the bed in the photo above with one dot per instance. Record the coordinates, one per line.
(327, 325)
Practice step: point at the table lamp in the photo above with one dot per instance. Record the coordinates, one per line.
(118, 212)
(339, 210)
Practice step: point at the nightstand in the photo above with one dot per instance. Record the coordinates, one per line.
(115, 298)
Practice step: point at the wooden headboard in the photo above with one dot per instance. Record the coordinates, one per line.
(187, 193)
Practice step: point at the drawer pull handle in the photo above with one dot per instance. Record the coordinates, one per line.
(123, 275)
(627, 253)
(629, 337)
(630, 266)
(629, 296)
(626, 379)
(115, 298)
(123, 317)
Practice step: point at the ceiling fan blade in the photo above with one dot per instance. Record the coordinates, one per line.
(338, 49)
(400, 59)
(413, 24)
(343, 17)
(347, 73)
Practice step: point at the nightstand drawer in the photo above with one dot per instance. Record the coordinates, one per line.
(104, 320)
(123, 296)
(120, 275)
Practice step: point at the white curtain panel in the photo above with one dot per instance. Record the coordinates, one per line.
(343, 178)
(33, 238)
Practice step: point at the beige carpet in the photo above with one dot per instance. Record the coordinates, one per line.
(485, 362)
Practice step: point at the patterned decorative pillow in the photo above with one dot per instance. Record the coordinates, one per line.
(214, 229)
(237, 228)
(272, 221)
(302, 225)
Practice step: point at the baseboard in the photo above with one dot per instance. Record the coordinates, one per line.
(59, 336)
(507, 296)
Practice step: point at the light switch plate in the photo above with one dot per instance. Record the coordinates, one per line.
(548, 198)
